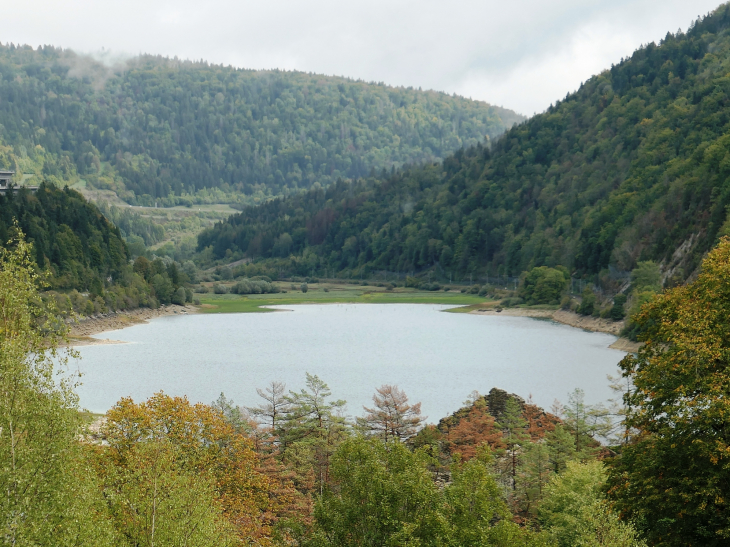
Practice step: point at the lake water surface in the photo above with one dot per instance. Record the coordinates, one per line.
(436, 358)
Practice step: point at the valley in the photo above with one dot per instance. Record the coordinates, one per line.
(289, 309)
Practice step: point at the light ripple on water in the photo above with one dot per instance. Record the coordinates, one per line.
(437, 358)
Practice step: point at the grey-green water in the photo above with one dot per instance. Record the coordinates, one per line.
(437, 358)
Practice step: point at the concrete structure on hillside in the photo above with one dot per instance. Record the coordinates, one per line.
(6, 178)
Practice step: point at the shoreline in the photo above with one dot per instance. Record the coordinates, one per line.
(82, 331)
(572, 319)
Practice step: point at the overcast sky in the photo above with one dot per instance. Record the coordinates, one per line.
(521, 54)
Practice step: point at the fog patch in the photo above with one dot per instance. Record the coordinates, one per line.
(98, 67)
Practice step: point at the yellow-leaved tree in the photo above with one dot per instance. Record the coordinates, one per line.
(673, 476)
(177, 473)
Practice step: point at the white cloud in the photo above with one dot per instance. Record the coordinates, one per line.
(523, 54)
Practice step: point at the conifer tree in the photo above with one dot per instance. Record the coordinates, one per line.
(392, 418)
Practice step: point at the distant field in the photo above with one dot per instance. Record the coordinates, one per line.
(232, 303)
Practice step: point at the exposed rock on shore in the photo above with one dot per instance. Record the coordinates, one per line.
(594, 324)
(83, 329)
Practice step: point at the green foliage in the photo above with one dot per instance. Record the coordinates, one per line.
(645, 283)
(617, 312)
(384, 495)
(474, 501)
(646, 277)
(70, 237)
(543, 285)
(626, 169)
(588, 302)
(575, 513)
(672, 478)
(48, 496)
(170, 132)
(254, 286)
(311, 429)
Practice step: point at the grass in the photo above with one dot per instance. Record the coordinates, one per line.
(338, 294)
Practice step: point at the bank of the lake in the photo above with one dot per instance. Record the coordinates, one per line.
(332, 293)
(83, 329)
(461, 302)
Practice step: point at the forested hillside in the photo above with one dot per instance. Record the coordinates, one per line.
(155, 129)
(70, 237)
(631, 167)
(83, 259)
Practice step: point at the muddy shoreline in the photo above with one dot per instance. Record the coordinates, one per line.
(82, 330)
(572, 319)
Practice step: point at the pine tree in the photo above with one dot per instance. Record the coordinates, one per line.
(392, 418)
(514, 435)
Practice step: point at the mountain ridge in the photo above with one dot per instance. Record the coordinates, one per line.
(174, 132)
(627, 168)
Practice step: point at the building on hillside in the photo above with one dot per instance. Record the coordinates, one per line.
(6, 178)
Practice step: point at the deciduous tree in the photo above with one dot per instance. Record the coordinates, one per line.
(674, 477)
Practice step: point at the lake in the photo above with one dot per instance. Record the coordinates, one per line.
(437, 358)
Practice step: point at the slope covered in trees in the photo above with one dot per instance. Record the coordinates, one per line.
(70, 236)
(153, 128)
(78, 250)
(631, 167)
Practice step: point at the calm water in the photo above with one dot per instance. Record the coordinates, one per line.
(437, 358)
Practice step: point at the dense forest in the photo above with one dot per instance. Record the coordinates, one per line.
(84, 261)
(158, 130)
(70, 236)
(631, 167)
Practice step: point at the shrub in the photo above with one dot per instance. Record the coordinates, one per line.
(304, 288)
(220, 289)
(588, 302)
(178, 297)
(474, 289)
(254, 286)
(617, 311)
(543, 285)
(412, 282)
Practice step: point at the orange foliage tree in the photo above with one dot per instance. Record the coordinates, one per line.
(474, 429)
(198, 439)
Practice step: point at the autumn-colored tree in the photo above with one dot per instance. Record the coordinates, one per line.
(478, 427)
(193, 440)
(674, 478)
(392, 418)
(539, 422)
